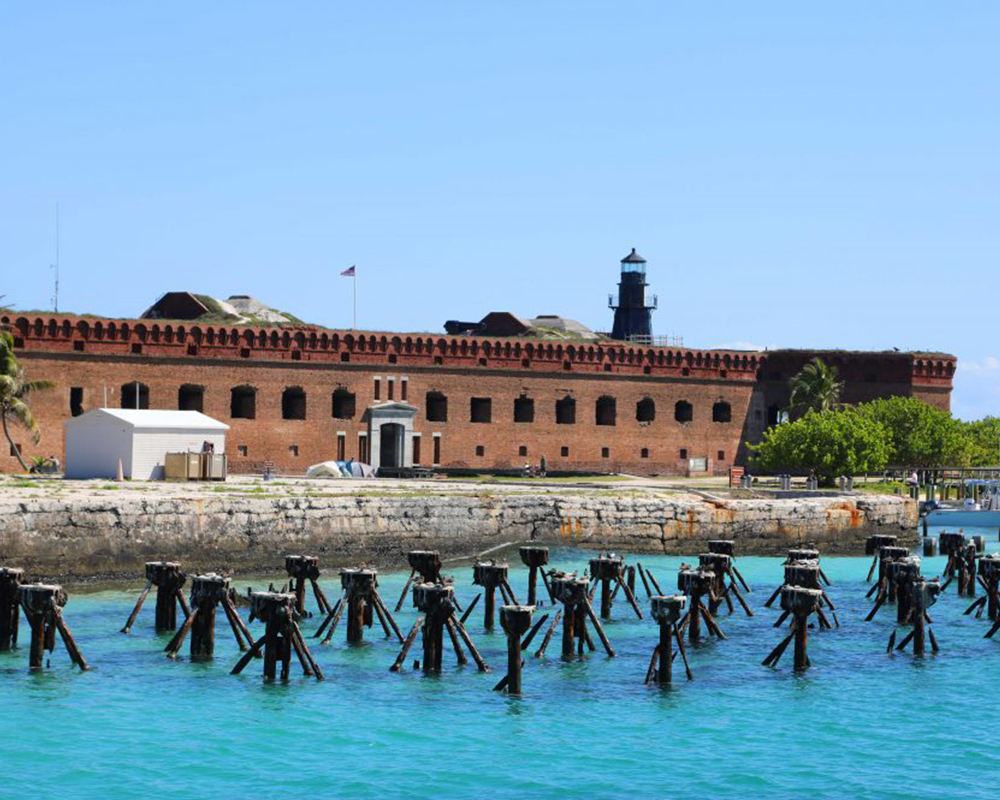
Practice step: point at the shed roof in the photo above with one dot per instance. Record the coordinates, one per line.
(158, 419)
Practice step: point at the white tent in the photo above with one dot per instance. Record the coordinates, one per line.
(95, 441)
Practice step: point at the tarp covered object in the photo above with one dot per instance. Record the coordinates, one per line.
(340, 469)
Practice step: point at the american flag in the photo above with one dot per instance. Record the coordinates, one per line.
(349, 272)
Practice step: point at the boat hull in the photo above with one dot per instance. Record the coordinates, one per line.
(960, 517)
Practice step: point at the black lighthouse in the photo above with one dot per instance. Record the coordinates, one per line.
(633, 316)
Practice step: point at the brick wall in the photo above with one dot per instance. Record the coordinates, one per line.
(100, 357)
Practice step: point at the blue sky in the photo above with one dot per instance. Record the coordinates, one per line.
(809, 173)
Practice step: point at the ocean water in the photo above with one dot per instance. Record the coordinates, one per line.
(859, 723)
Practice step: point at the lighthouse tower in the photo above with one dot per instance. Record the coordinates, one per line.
(633, 315)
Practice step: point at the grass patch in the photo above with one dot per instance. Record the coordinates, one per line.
(881, 487)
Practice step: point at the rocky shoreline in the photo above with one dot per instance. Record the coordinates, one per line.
(109, 537)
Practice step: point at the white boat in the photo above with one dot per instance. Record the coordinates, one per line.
(984, 514)
(962, 517)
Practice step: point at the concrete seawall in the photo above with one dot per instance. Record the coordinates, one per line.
(110, 537)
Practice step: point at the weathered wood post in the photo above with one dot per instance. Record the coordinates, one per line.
(515, 620)
(798, 602)
(427, 565)
(281, 636)
(534, 558)
(875, 543)
(359, 586)
(924, 594)
(492, 576)
(10, 613)
(437, 602)
(608, 569)
(573, 591)
(43, 604)
(667, 612)
(727, 547)
(989, 571)
(952, 543)
(696, 584)
(900, 574)
(208, 592)
(360, 598)
(303, 569)
(168, 579)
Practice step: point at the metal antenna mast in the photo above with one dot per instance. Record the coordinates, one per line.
(55, 297)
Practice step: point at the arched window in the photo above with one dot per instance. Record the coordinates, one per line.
(243, 403)
(436, 407)
(524, 409)
(645, 410)
(683, 411)
(135, 395)
(722, 412)
(293, 403)
(606, 411)
(344, 405)
(566, 411)
(191, 397)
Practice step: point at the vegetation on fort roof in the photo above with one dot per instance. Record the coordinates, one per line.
(15, 389)
(815, 388)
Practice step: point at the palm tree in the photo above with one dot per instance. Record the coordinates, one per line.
(14, 391)
(815, 388)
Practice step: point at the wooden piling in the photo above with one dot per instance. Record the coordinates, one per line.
(43, 604)
(514, 620)
(534, 558)
(11, 579)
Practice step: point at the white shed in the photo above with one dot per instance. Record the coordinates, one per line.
(95, 441)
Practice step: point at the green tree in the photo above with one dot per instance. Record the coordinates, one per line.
(815, 388)
(14, 393)
(830, 443)
(984, 441)
(920, 435)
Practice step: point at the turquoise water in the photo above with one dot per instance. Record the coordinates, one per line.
(858, 724)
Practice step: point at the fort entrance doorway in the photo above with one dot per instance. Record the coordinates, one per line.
(391, 445)
(390, 435)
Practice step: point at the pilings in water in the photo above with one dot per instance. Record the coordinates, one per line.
(721, 565)
(492, 575)
(208, 592)
(360, 599)
(168, 579)
(989, 579)
(277, 610)
(302, 569)
(573, 591)
(437, 602)
(10, 615)
(798, 602)
(515, 620)
(727, 547)
(961, 563)
(806, 575)
(609, 569)
(534, 558)
(667, 613)
(427, 565)
(696, 584)
(43, 604)
(922, 595)
(875, 543)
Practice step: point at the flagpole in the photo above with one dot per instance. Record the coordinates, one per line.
(355, 281)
